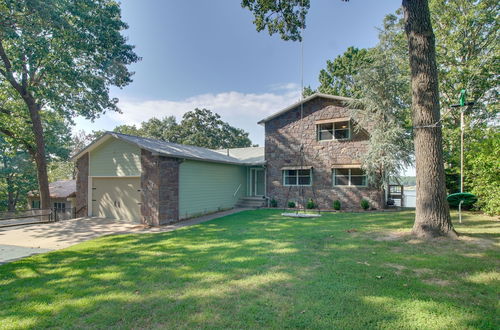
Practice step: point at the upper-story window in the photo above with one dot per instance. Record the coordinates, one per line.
(340, 130)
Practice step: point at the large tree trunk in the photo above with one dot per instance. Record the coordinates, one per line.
(432, 216)
(39, 153)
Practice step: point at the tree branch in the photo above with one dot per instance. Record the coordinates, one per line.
(26, 144)
(8, 71)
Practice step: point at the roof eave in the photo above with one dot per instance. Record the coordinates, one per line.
(307, 99)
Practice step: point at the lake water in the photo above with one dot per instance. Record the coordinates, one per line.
(410, 198)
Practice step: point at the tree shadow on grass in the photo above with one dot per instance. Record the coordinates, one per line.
(248, 270)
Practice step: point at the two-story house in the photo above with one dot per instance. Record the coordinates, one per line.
(315, 155)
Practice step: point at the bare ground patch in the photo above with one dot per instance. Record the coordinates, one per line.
(390, 236)
(398, 268)
(437, 281)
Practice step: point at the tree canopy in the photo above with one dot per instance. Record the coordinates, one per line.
(200, 127)
(60, 56)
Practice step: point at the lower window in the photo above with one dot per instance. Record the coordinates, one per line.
(297, 177)
(349, 177)
(60, 206)
(35, 204)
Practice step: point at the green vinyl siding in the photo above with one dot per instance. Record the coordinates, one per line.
(115, 158)
(206, 187)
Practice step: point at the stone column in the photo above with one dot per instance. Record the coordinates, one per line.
(82, 185)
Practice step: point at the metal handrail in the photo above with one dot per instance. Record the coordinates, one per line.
(237, 189)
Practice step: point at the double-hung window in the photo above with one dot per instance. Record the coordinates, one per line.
(298, 177)
(339, 130)
(35, 204)
(349, 177)
(60, 206)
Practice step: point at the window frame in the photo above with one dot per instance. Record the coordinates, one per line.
(297, 176)
(34, 203)
(350, 175)
(333, 130)
(57, 205)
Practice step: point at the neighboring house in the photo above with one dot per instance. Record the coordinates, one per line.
(329, 166)
(62, 195)
(156, 182)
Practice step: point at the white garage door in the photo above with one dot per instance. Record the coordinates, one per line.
(116, 198)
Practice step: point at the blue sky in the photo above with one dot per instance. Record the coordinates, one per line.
(199, 53)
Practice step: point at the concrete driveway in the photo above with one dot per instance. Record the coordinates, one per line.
(19, 242)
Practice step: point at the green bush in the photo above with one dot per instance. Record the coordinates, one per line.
(273, 203)
(310, 204)
(291, 205)
(365, 205)
(482, 175)
(336, 204)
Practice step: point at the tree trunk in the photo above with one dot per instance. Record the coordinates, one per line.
(432, 215)
(39, 154)
(11, 205)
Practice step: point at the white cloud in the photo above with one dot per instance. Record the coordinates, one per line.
(239, 109)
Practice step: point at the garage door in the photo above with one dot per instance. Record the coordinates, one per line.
(116, 198)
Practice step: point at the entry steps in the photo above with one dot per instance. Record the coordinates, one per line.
(251, 202)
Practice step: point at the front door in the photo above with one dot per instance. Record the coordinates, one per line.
(258, 182)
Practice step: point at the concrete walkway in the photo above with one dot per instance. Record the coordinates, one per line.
(19, 242)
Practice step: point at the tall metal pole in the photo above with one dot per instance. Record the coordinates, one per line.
(462, 150)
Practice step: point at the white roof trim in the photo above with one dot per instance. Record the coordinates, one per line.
(307, 99)
(94, 144)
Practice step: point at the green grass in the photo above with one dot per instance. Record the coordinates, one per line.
(257, 269)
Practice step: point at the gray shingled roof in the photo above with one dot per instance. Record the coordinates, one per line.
(253, 155)
(59, 189)
(242, 156)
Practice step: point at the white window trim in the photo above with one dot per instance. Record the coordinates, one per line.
(57, 204)
(350, 181)
(297, 185)
(333, 132)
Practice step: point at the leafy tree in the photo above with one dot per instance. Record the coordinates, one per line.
(467, 57)
(165, 129)
(200, 127)
(203, 128)
(339, 76)
(61, 55)
(483, 173)
(432, 213)
(18, 171)
(17, 176)
(385, 101)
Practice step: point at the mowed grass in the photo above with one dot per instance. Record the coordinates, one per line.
(257, 269)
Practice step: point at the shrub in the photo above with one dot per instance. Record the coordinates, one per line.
(291, 205)
(365, 205)
(336, 204)
(273, 203)
(310, 204)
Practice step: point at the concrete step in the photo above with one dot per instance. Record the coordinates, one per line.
(251, 202)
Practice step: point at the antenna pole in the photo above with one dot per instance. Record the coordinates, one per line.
(462, 150)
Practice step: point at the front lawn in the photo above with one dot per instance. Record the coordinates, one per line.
(257, 269)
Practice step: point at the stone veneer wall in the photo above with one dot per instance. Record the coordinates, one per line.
(159, 189)
(82, 185)
(284, 136)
